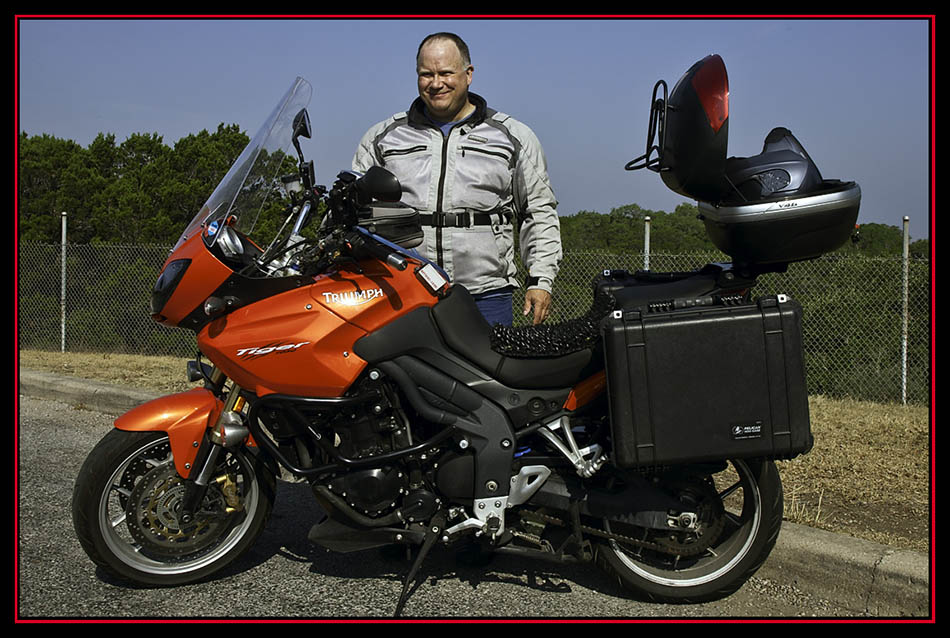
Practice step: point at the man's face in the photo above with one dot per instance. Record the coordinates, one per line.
(443, 79)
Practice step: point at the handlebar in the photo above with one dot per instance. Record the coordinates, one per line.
(367, 241)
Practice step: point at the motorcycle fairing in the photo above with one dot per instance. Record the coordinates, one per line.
(372, 294)
(300, 341)
(203, 274)
(285, 344)
(183, 416)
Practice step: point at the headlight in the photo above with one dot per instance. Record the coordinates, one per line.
(166, 284)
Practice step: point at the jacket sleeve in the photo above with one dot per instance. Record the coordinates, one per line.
(540, 230)
(366, 155)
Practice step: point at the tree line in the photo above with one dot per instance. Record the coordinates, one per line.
(142, 191)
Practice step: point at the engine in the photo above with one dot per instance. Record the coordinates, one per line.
(372, 425)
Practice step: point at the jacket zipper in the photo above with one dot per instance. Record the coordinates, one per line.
(404, 151)
(438, 205)
(485, 152)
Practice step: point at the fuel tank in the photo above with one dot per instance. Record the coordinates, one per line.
(300, 342)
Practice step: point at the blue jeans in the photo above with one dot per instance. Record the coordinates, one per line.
(495, 306)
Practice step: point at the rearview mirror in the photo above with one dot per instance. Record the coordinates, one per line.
(302, 124)
(301, 129)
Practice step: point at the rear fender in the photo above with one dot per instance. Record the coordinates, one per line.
(184, 417)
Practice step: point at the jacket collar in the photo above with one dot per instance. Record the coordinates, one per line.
(417, 115)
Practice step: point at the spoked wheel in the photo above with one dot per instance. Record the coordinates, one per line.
(731, 522)
(126, 506)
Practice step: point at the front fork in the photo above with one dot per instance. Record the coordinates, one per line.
(228, 431)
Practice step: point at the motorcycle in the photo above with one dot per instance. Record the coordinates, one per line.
(640, 437)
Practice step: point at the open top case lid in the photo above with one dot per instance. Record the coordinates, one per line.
(774, 207)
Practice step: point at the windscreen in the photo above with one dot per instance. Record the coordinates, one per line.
(254, 176)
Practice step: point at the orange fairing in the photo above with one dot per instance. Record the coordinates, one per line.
(184, 416)
(372, 297)
(285, 344)
(300, 342)
(204, 274)
(586, 391)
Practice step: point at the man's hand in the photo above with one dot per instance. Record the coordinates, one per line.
(540, 300)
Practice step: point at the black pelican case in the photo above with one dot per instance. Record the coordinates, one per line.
(707, 383)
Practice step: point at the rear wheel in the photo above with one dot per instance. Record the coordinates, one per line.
(127, 500)
(738, 515)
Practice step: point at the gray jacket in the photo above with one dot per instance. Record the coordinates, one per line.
(470, 186)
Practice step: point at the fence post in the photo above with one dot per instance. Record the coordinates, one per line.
(905, 285)
(646, 243)
(62, 290)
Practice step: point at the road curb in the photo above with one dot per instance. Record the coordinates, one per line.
(869, 578)
(95, 395)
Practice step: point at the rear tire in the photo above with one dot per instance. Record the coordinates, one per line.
(125, 511)
(751, 495)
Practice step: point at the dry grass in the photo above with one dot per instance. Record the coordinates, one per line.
(868, 475)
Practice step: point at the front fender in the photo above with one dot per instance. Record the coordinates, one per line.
(183, 416)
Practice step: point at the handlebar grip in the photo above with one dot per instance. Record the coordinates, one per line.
(397, 261)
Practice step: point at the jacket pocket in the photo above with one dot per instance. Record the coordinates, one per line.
(482, 179)
(479, 258)
(412, 165)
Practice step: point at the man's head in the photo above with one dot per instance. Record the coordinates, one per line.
(444, 70)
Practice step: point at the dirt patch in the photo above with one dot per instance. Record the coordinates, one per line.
(869, 474)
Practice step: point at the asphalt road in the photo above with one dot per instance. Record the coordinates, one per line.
(285, 576)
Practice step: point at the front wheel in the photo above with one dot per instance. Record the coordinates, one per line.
(127, 499)
(738, 518)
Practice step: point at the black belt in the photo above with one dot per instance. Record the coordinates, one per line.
(459, 220)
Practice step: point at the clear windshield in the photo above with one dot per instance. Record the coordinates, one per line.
(255, 175)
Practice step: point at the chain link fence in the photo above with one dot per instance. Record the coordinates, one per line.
(855, 340)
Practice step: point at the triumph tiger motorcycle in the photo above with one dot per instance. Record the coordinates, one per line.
(639, 437)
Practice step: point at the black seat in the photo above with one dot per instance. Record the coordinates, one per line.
(465, 331)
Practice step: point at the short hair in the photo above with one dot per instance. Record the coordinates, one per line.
(443, 35)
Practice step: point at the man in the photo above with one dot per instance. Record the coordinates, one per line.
(472, 173)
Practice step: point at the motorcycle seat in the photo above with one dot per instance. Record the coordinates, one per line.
(466, 332)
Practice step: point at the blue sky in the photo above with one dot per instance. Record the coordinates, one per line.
(855, 92)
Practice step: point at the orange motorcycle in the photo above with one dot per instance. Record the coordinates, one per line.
(639, 437)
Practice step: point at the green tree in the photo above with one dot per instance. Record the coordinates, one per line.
(139, 191)
(45, 163)
(678, 232)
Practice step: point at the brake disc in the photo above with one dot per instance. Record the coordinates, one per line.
(153, 509)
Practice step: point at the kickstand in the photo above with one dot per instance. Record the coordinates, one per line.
(432, 535)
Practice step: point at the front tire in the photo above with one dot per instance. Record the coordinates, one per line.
(741, 534)
(125, 505)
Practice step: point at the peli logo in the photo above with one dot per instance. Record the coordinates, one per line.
(356, 298)
(747, 431)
